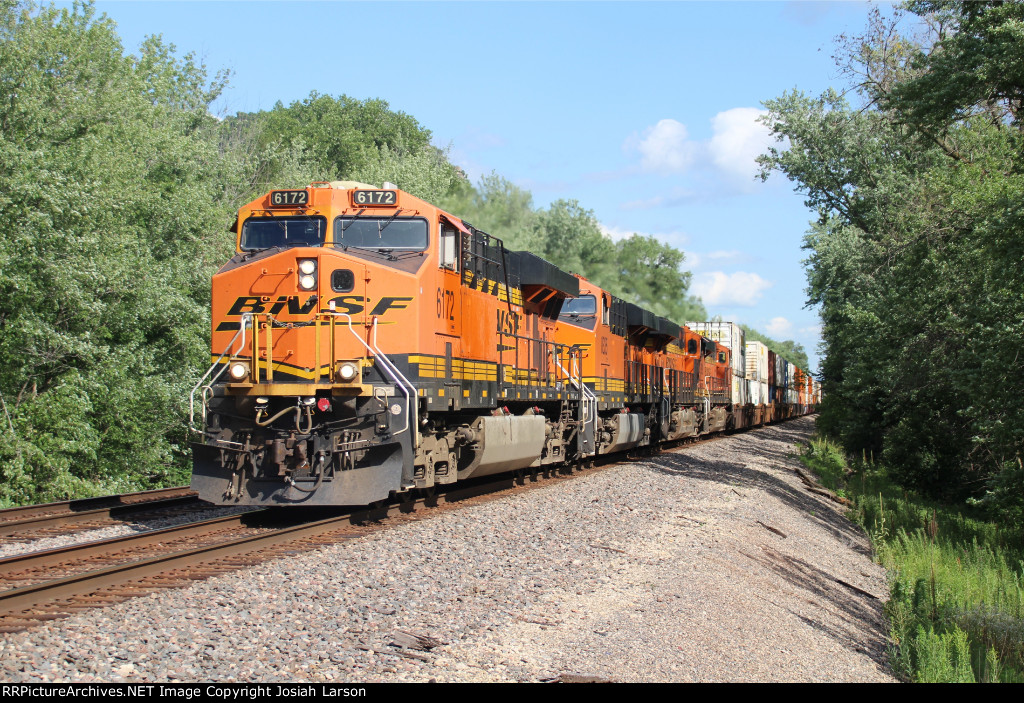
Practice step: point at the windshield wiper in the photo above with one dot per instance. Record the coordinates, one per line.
(248, 253)
(381, 227)
(345, 226)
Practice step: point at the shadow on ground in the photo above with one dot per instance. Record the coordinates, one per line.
(775, 446)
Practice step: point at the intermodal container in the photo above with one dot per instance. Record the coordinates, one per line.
(729, 335)
(757, 361)
(757, 392)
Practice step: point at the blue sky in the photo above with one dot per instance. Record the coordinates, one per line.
(643, 112)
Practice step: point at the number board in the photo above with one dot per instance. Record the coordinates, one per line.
(371, 198)
(289, 198)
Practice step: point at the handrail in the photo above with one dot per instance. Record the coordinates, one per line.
(411, 411)
(246, 320)
(588, 395)
(391, 370)
(388, 367)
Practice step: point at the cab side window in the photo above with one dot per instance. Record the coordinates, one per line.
(449, 247)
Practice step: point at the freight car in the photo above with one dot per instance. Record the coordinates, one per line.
(367, 343)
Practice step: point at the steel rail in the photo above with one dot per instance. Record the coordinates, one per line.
(21, 601)
(83, 504)
(49, 558)
(56, 595)
(12, 528)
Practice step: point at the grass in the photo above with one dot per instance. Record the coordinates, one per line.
(956, 608)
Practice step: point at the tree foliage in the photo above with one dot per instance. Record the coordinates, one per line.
(323, 138)
(105, 209)
(916, 253)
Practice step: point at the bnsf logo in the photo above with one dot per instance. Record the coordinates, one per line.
(350, 304)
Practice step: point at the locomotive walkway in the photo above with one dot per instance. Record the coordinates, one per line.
(712, 563)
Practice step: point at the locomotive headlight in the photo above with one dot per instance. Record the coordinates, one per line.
(239, 371)
(347, 371)
(307, 271)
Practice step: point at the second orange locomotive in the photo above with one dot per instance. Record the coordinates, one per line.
(367, 343)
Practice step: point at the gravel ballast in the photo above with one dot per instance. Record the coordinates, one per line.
(709, 564)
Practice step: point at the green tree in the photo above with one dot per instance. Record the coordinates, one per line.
(108, 166)
(497, 206)
(789, 350)
(916, 252)
(639, 269)
(650, 274)
(340, 135)
(323, 138)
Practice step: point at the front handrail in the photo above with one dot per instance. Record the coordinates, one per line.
(246, 321)
(249, 320)
(411, 415)
(411, 409)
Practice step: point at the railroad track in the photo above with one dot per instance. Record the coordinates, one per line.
(35, 521)
(57, 583)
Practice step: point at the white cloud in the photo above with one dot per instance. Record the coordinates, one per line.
(779, 327)
(675, 238)
(677, 196)
(806, 13)
(664, 148)
(472, 169)
(732, 257)
(738, 140)
(731, 152)
(740, 288)
(644, 204)
(615, 233)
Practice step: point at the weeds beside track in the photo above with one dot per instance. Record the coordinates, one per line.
(956, 608)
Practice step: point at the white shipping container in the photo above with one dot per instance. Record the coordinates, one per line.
(730, 336)
(754, 392)
(739, 390)
(765, 398)
(791, 377)
(757, 361)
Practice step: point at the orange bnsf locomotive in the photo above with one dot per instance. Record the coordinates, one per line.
(366, 343)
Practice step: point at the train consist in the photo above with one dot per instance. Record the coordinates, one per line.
(367, 343)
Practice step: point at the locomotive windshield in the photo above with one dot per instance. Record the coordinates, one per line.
(580, 311)
(388, 233)
(269, 232)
